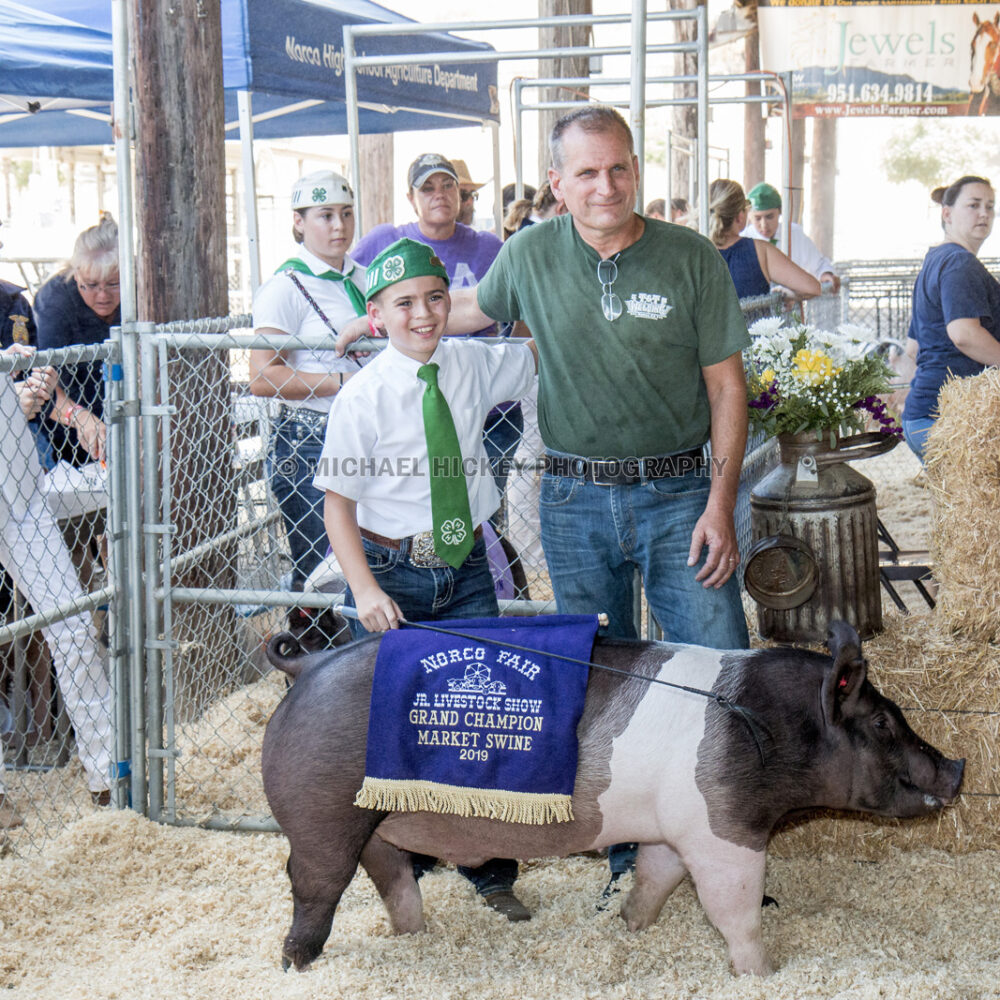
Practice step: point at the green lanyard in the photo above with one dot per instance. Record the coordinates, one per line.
(353, 292)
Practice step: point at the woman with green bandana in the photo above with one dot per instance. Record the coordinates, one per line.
(319, 290)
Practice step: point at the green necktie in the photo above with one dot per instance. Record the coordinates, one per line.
(453, 528)
(353, 292)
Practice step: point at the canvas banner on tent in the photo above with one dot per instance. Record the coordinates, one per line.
(56, 72)
(884, 58)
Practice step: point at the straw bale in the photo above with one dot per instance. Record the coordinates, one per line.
(963, 470)
(122, 908)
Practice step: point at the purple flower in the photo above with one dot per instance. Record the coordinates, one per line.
(768, 398)
(877, 408)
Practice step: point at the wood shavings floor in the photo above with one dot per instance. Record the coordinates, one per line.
(121, 908)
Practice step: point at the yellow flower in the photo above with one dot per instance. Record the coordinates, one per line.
(767, 376)
(813, 367)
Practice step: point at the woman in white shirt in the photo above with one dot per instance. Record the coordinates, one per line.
(319, 290)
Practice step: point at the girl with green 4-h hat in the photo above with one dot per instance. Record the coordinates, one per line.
(317, 290)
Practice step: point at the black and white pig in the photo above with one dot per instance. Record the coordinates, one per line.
(678, 773)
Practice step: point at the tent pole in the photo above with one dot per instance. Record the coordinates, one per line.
(124, 506)
(701, 20)
(245, 104)
(353, 126)
(497, 186)
(637, 111)
(518, 141)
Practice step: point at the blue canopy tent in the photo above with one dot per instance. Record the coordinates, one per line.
(56, 72)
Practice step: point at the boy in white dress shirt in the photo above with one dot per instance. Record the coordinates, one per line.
(404, 547)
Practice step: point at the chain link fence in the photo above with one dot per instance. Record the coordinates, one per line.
(57, 667)
(197, 562)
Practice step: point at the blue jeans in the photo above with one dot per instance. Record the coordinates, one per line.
(915, 434)
(501, 436)
(595, 537)
(295, 450)
(429, 594)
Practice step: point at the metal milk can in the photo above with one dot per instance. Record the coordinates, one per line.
(815, 552)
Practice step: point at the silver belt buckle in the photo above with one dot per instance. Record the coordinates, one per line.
(422, 552)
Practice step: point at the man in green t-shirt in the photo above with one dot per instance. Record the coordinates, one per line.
(639, 334)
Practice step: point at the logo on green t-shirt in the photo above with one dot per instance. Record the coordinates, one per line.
(646, 305)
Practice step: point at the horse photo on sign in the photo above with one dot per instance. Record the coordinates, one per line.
(984, 70)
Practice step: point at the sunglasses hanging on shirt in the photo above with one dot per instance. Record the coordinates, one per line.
(607, 274)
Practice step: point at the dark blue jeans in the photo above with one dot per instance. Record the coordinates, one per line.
(295, 450)
(429, 594)
(595, 537)
(501, 436)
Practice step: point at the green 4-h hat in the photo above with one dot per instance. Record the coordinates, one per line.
(763, 197)
(403, 259)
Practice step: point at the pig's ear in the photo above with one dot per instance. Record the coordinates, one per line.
(847, 675)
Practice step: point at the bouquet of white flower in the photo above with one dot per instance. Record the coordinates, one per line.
(803, 379)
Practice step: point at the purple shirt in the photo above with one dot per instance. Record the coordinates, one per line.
(466, 256)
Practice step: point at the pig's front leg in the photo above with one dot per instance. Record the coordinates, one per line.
(730, 884)
(658, 871)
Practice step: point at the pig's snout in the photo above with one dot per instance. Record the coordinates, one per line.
(945, 788)
(952, 771)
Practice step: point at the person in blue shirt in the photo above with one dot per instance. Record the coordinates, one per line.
(754, 265)
(79, 305)
(956, 305)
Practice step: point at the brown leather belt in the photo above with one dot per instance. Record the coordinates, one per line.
(625, 471)
(421, 546)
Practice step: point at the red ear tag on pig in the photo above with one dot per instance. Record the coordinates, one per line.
(843, 682)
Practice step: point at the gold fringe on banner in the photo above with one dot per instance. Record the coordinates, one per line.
(395, 795)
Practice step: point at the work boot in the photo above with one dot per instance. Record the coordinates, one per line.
(507, 904)
(10, 818)
(101, 798)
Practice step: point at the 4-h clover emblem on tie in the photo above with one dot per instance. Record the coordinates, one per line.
(393, 268)
(319, 194)
(453, 531)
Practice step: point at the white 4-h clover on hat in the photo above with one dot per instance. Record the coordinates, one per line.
(426, 165)
(323, 187)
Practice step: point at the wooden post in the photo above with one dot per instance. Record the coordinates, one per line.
(181, 274)
(569, 66)
(794, 210)
(377, 166)
(685, 119)
(823, 184)
(754, 118)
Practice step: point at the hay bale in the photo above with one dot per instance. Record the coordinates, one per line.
(963, 471)
(949, 687)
